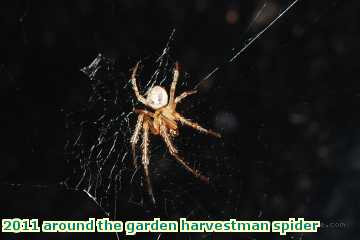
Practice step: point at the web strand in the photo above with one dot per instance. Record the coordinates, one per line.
(248, 44)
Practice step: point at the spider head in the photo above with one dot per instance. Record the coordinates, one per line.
(157, 97)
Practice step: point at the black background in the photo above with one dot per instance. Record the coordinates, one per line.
(288, 106)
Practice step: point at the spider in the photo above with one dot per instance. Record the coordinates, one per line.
(163, 121)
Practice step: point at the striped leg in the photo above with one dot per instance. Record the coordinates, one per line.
(196, 126)
(146, 160)
(135, 137)
(139, 97)
(173, 84)
(184, 95)
(174, 152)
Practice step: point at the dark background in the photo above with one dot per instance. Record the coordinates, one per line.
(288, 107)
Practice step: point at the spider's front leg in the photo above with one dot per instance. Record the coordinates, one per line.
(145, 158)
(135, 137)
(174, 152)
(139, 97)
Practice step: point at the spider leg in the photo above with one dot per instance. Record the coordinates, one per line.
(196, 126)
(139, 97)
(145, 158)
(142, 111)
(135, 137)
(184, 95)
(174, 82)
(174, 152)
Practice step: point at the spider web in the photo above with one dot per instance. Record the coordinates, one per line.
(109, 120)
(98, 146)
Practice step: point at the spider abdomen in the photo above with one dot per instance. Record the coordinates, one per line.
(157, 97)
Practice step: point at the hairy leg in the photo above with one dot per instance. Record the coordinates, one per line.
(135, 137)
(196, 126)
(173, 84)
(145, 112)
(145, 158)
(184, 95)
(139, 97)
(173, 151)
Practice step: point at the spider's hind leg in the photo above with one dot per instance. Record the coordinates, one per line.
(174, 82)
(139, 97)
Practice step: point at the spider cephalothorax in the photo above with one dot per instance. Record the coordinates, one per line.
(163, 121)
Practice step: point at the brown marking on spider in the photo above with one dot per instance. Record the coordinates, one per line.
(163, 122)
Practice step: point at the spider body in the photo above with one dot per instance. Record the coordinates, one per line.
(157, 97)
(163, 122)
